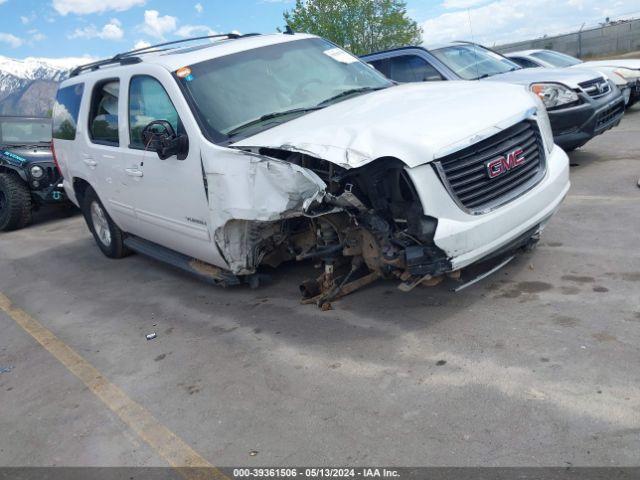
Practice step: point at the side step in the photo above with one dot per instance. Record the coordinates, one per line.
(203, 271)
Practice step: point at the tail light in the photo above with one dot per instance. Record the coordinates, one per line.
(55, 160)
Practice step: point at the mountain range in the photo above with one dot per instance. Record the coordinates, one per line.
(28, 87)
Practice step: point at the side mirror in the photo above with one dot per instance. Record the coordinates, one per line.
(160, 137)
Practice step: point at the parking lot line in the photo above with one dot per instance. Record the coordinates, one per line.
(166, 443)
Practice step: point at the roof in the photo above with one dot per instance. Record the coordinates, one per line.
(173, 57)
(436, 46)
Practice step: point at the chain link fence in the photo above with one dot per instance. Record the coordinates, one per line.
(611, 39)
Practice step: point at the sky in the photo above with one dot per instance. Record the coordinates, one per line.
(99, 28)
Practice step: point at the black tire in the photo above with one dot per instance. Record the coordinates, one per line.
(99, 223)
(15, 202)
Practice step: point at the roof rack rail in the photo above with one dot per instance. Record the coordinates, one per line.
(130, 58)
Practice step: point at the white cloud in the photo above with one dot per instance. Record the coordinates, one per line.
(141, 44)
(36, 36)
(503, 21)
(199, 8)
(84, 7)
(158, 26)
(110, 31)
(11, 40)
(457, 4)
(187, 31)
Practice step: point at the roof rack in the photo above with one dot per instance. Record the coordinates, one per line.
(130, 58)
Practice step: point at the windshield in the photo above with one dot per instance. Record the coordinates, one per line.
(21, 131)
(472, 62)
(257, 89)
(556, 59)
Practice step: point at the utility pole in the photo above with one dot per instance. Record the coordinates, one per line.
(580, 41)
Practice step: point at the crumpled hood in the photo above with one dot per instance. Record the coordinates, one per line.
(526, 76)
(415, 123)
(631, 63)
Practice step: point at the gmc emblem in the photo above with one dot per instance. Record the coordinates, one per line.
(500, 165)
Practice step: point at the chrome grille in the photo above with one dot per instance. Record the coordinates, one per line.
(596, 87)
(467, 176)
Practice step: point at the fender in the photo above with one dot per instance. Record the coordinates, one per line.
(12, 164)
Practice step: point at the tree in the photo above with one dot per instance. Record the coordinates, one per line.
(361, 26)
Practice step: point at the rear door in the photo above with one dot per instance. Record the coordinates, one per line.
(101, 153)
(169, 195)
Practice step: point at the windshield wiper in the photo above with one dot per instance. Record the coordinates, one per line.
(349, 92)
(271, 116)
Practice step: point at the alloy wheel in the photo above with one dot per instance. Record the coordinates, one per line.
(100, 224)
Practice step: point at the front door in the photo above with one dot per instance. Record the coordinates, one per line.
(169, 195)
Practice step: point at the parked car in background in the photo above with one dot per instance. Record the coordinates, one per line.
(250, 151)
(581, 103)
(28, 175)
(626, 79)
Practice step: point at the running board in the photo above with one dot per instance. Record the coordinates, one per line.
(483, 275)
(203, 271)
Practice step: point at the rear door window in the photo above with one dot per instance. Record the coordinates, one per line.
(381, 65)
(65, 112)
(524, 62)
(149, 101)
(411, 68)
(103, 119)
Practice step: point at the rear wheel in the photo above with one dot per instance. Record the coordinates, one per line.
(15, 203)
(106, 233)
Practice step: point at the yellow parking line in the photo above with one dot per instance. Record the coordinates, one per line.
(166, 443)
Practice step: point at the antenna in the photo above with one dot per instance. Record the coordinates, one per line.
(475, 47)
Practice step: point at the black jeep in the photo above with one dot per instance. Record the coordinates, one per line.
(28, 175)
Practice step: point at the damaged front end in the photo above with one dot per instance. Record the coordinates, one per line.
(358, 225)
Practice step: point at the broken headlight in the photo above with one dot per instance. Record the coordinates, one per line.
(554, 95)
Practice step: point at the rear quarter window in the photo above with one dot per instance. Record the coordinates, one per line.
(65, 112)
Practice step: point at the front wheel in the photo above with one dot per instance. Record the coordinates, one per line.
(15, 203)
(105, 232)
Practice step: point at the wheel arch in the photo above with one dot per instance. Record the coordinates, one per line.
(10, 169)
(80, 186)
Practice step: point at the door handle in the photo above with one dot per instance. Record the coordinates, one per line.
(134, 172)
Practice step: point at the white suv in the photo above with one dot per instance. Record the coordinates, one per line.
(249, 151)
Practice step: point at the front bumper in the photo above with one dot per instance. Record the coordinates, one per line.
(53, 194)
(575, 126)
(466, 238)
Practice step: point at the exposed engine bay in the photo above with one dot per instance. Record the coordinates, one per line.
(369, 224)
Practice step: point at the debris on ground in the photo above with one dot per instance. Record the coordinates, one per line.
(253, 453)
(6, 369)
(151, 336)
(326, 307)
